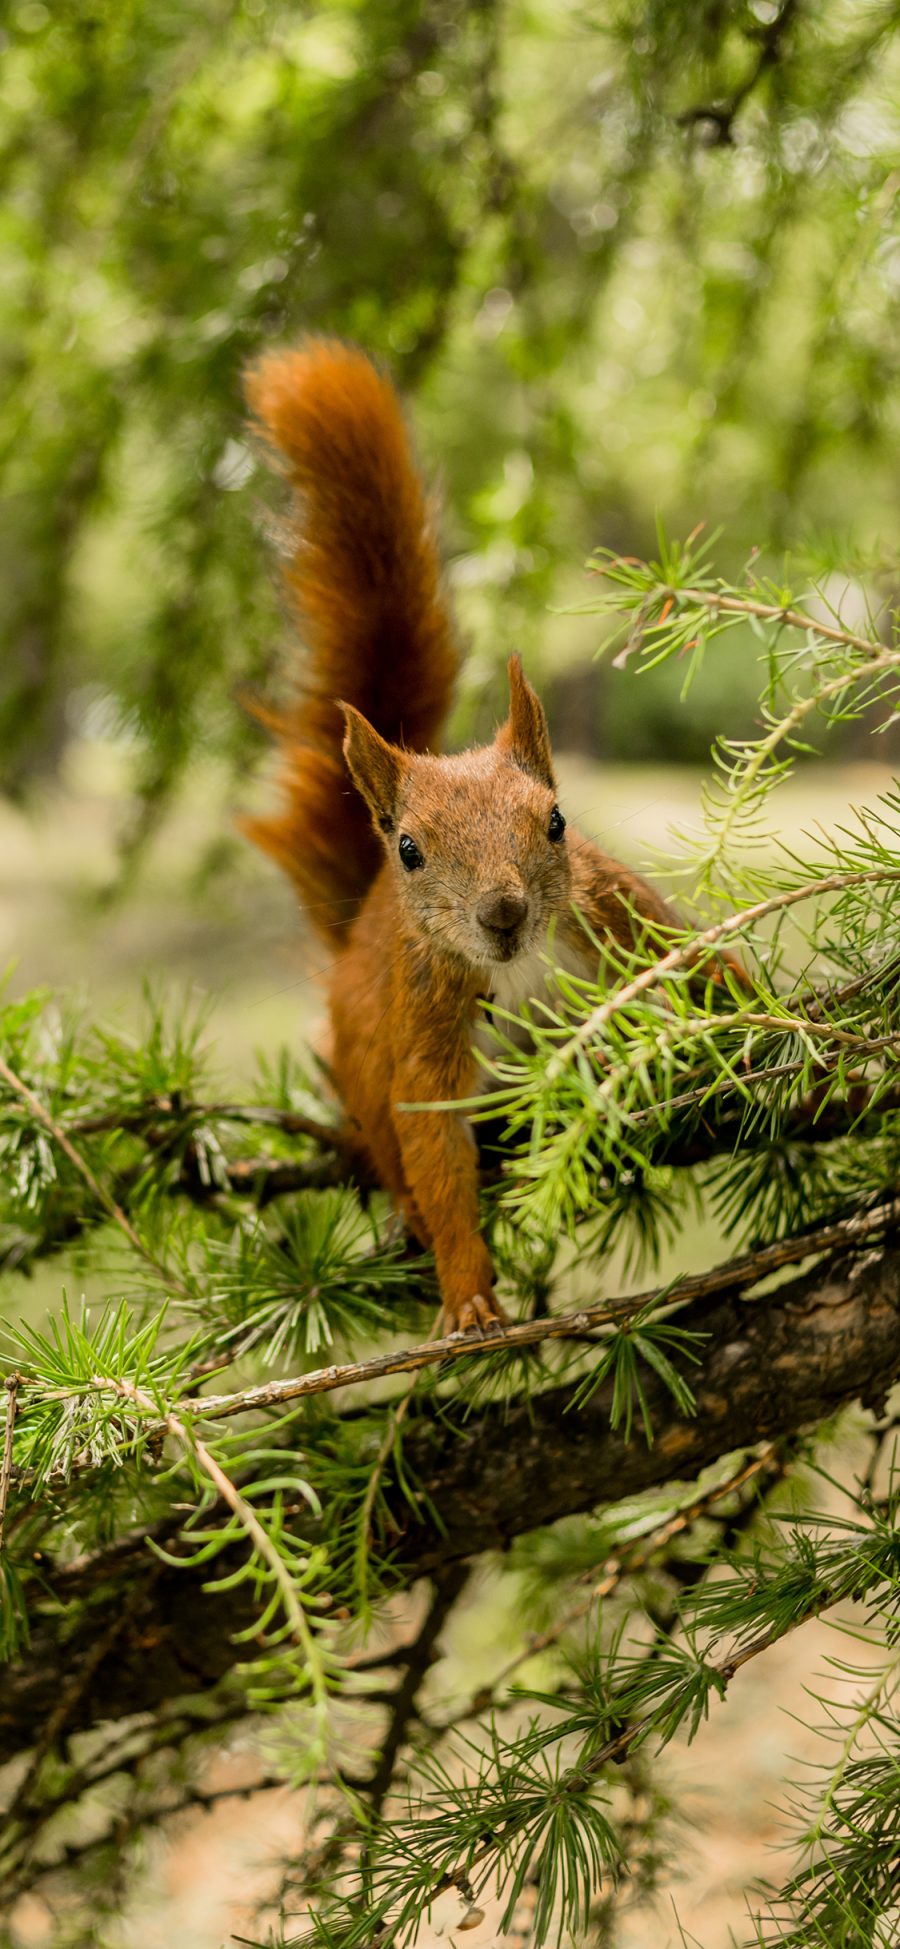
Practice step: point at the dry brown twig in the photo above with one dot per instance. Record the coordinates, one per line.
(837, 1235)
(773, 612)
(12, 1384)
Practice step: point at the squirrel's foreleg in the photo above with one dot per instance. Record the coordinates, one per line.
(440, 1168)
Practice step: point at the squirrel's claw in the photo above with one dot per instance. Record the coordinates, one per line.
(476, 1315)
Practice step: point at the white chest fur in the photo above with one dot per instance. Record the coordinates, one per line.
(516, 984)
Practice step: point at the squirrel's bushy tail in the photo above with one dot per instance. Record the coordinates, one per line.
(364, 575)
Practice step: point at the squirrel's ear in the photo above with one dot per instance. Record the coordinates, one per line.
(377, 768)
(525, 735)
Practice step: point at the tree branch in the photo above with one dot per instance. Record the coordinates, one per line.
(260, 1179)
(159, 1109)
(836, 1235)
(809, 1123)
(12, 1387)
(421, 1655)
(770, 1366)
(719, 117)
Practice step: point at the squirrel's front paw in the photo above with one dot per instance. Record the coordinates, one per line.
(474, 1314)
(467, 1288)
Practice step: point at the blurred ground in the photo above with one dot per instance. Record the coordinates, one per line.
(236, 939)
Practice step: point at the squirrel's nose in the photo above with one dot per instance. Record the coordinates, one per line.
(502, 911)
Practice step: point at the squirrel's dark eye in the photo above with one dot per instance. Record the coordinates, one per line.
(410, 854)
(557, 824)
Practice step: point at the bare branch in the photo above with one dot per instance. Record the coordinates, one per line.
(838, 1235)
(720, 117)
(420, 1656)
(12, 1384)
(160, 1109)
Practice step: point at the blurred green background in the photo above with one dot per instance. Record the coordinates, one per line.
(627, 259)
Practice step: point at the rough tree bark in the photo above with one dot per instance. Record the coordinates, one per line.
(769, 1366)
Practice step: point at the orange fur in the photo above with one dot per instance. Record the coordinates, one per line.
(469, 918)
(364, 577)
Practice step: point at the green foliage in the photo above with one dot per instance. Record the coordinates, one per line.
(643, 1340)
(629, 257)
(628, 1073)
(82, 1420)
(325, 1275)
(520, 1808)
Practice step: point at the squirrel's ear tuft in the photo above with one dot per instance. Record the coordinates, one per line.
(525, 735)
(377, 769)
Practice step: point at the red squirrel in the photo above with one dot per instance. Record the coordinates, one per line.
(434, 879)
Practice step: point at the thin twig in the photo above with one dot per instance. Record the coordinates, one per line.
(774, 612)
(753, 1018)
(786, 730)
(669, 1035)
(138, 1818)
(260, 1179)
(771, 612)
(117, 1760)
(265, 1178)
(690, 951)
(836, 1235)
(616, 1747)
(73, 1691)
(422, 1654)
(231, 1496)
(165, 1107)
(104, 1197)
(721, 115)
(824, 1066)
(12, 1385)
(810, 1121)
